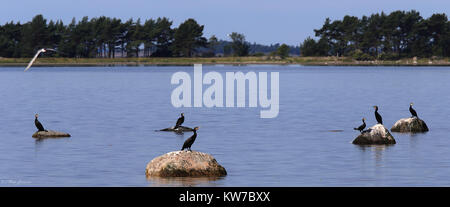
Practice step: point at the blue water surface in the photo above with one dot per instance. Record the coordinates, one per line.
(112, 114)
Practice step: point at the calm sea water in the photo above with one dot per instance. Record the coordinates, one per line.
(112, 114)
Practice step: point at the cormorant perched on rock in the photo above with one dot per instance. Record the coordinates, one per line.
(360, 128)
(188, 143)
(38, 123)
(413, 112)
(179, 121)
(378, 116)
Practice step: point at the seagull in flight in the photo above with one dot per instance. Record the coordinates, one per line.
(37, 54)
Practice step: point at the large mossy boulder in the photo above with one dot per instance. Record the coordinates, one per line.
(50, 134)
(376, 134)
(413, 125)
(185, 164)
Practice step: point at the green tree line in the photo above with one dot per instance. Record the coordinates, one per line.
(382, 36)
(105, 37)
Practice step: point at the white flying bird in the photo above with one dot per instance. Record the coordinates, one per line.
(35, 56)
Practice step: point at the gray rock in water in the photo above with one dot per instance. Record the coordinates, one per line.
(376, 134)
(185, 164)
(179, 129)
(413, 124)
(49, 134)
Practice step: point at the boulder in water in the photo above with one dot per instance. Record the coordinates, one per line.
(376, 134)
(413, 124)
(185, 164)
(180, 129)
(49, 134)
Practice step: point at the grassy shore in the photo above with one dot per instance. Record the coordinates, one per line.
(344, 61)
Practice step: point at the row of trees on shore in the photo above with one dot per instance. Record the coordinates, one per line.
(105, 37)
(379, 36)
(391, 36)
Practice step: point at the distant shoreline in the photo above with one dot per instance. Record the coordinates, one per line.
(310, 61)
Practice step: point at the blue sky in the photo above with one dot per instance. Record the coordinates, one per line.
(262, 21)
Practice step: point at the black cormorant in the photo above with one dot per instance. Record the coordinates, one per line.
(360, 128)
(38, 123)
(378, 116)
(413, 112)
(188, 143)
(179, 121)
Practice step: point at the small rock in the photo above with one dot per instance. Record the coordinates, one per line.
(49, 134)
(178, 130)
(185, 164)
(376, 134)
(413, 124)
